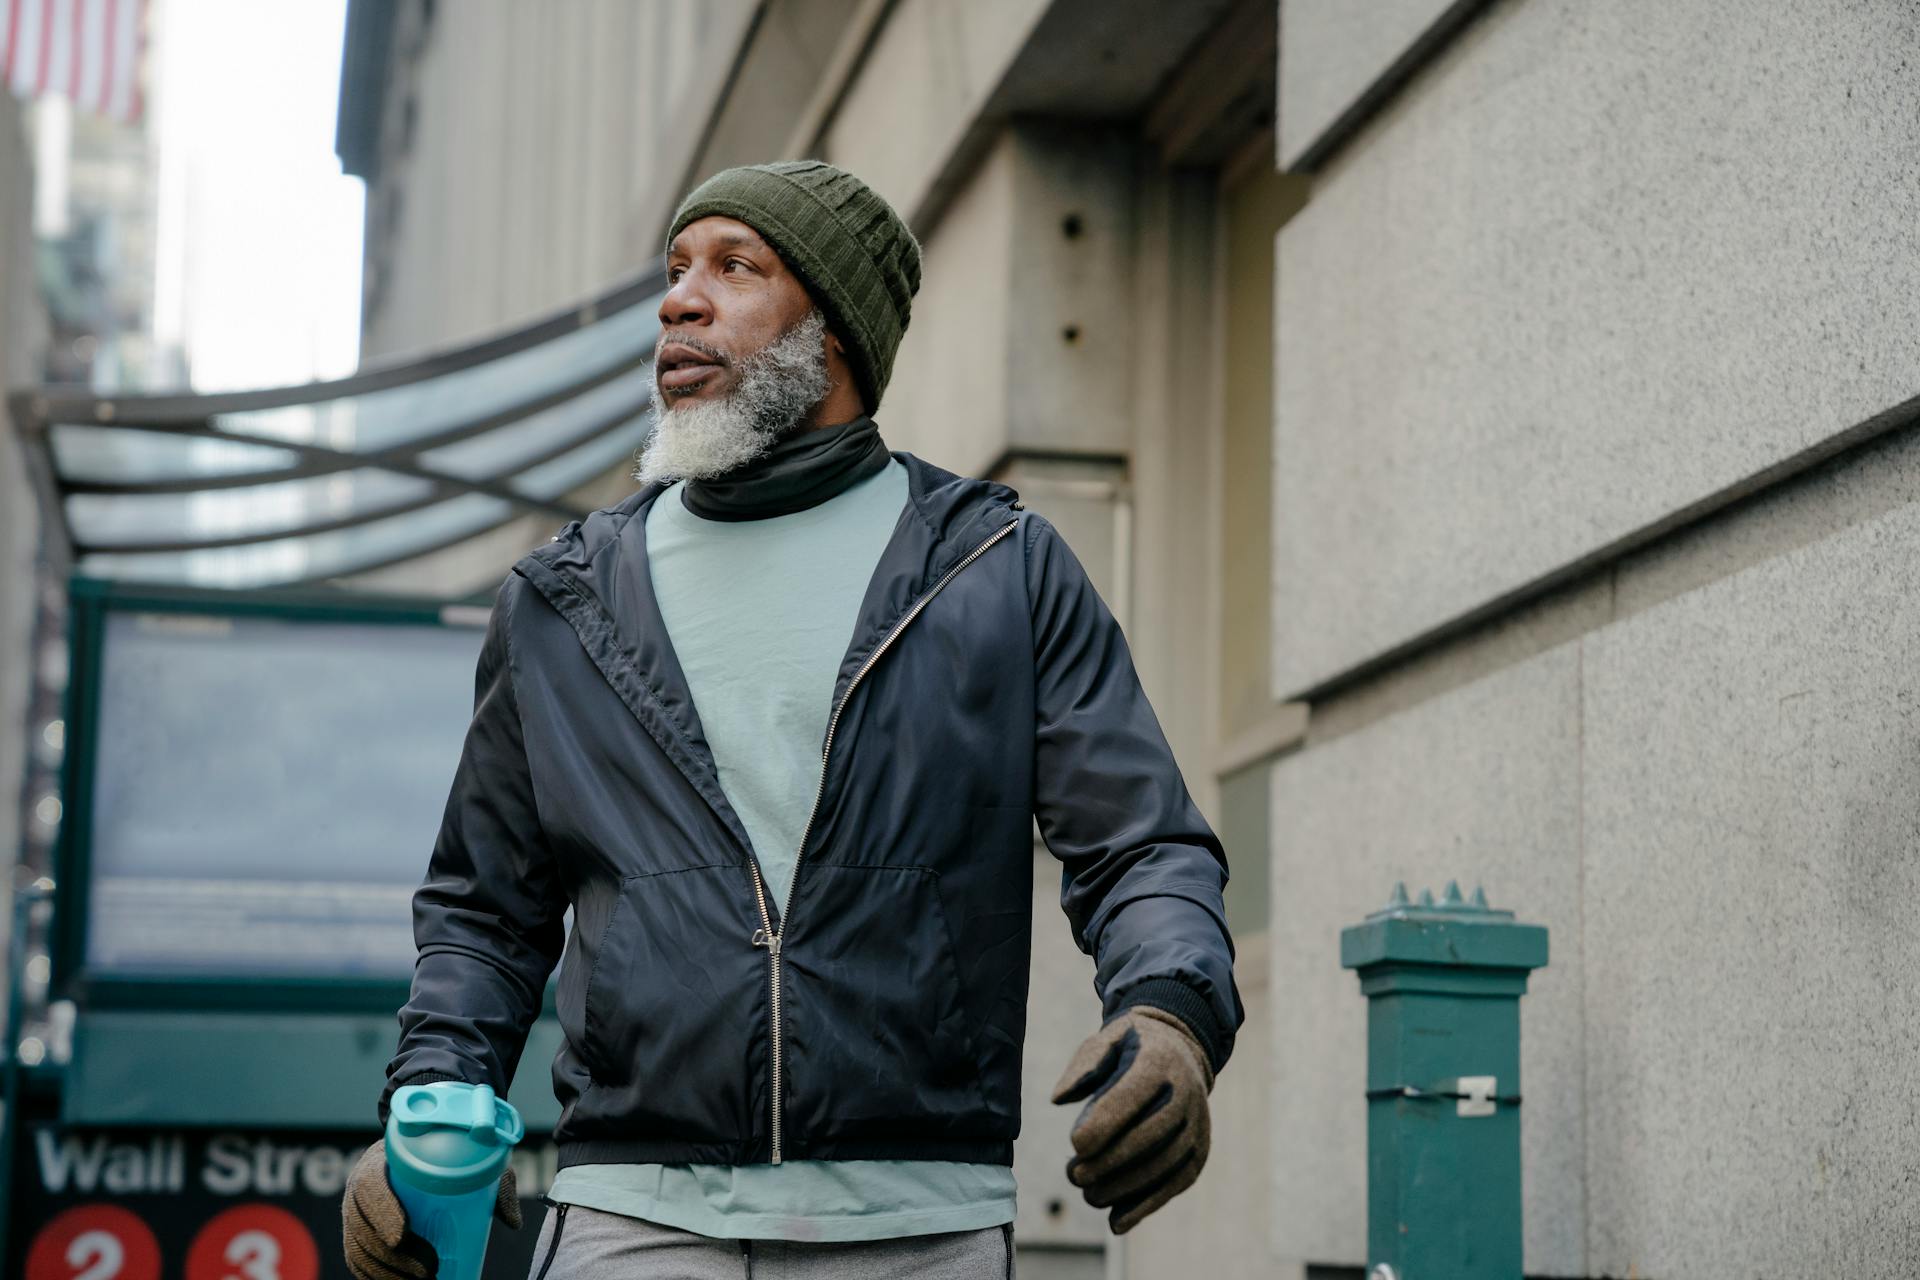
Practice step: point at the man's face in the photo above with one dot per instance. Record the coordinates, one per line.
(729, 295)
(743, 355)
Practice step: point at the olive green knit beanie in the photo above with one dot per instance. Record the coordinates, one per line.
(845, 243)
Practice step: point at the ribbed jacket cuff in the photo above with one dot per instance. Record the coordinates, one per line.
(1188, 1005)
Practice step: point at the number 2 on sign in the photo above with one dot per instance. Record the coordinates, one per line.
(94, 1242)
(99, 1255)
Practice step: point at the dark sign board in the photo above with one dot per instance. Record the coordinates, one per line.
(91, 1204)
(265, 790)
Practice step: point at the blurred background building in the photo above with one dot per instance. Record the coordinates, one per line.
(23, 342)
(1493, 423)
(133, 197)
(76, 303)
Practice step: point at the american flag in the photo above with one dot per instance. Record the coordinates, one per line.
(87, 51)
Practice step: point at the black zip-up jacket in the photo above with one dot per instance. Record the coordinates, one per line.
(880, 1012)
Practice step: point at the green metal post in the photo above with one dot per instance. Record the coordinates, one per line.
(1443, 983)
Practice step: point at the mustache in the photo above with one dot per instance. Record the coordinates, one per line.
(706, 349)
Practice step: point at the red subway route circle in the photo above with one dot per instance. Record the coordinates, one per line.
(94, 1242)
(253, 1242)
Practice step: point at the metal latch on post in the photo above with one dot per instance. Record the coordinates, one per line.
(1476, 1095)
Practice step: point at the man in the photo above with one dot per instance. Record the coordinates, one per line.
(776, 727)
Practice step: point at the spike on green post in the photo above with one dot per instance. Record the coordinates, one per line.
(1443, 983)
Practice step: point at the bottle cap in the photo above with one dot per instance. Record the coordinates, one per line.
(450, 1138)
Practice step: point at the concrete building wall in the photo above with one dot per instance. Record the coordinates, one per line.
(1695, 770)
(524, 152)
(932, 69)
(1022, 334)
(1570, 286)
(1594, 445)
(1339, 61)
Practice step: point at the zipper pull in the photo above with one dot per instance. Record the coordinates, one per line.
(771, 941)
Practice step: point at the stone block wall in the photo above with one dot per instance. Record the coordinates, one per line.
(1597, 459)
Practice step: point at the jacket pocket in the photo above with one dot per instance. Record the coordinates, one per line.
(673, 1014)
(877, 1037)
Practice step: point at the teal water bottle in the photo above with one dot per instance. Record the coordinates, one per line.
(447, 1144)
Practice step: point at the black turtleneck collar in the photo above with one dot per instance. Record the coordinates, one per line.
(800, 471)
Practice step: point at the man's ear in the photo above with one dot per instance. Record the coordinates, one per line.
(836, 346)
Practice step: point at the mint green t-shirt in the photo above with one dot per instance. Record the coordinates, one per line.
(760, 613)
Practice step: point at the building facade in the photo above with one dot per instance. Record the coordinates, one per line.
(1493, 423)
(23, 346)
(77, 265)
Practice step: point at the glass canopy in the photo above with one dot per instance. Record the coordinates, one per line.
(317, 483)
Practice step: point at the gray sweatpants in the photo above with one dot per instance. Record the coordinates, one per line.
(578, 1243)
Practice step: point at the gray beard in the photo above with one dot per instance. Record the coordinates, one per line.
(779, 385)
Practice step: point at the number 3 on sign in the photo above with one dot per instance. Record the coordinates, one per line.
(253, 1242)
(94, 1242)
(257, 1255)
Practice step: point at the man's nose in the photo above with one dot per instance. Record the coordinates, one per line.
(685, 303)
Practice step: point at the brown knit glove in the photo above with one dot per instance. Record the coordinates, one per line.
(1143, 1136)
(379, 1244)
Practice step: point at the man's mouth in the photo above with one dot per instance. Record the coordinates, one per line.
(679, 367)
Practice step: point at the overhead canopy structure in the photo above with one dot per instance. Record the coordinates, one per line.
(316, 484)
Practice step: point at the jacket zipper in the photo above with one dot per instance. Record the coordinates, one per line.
(765, 935)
